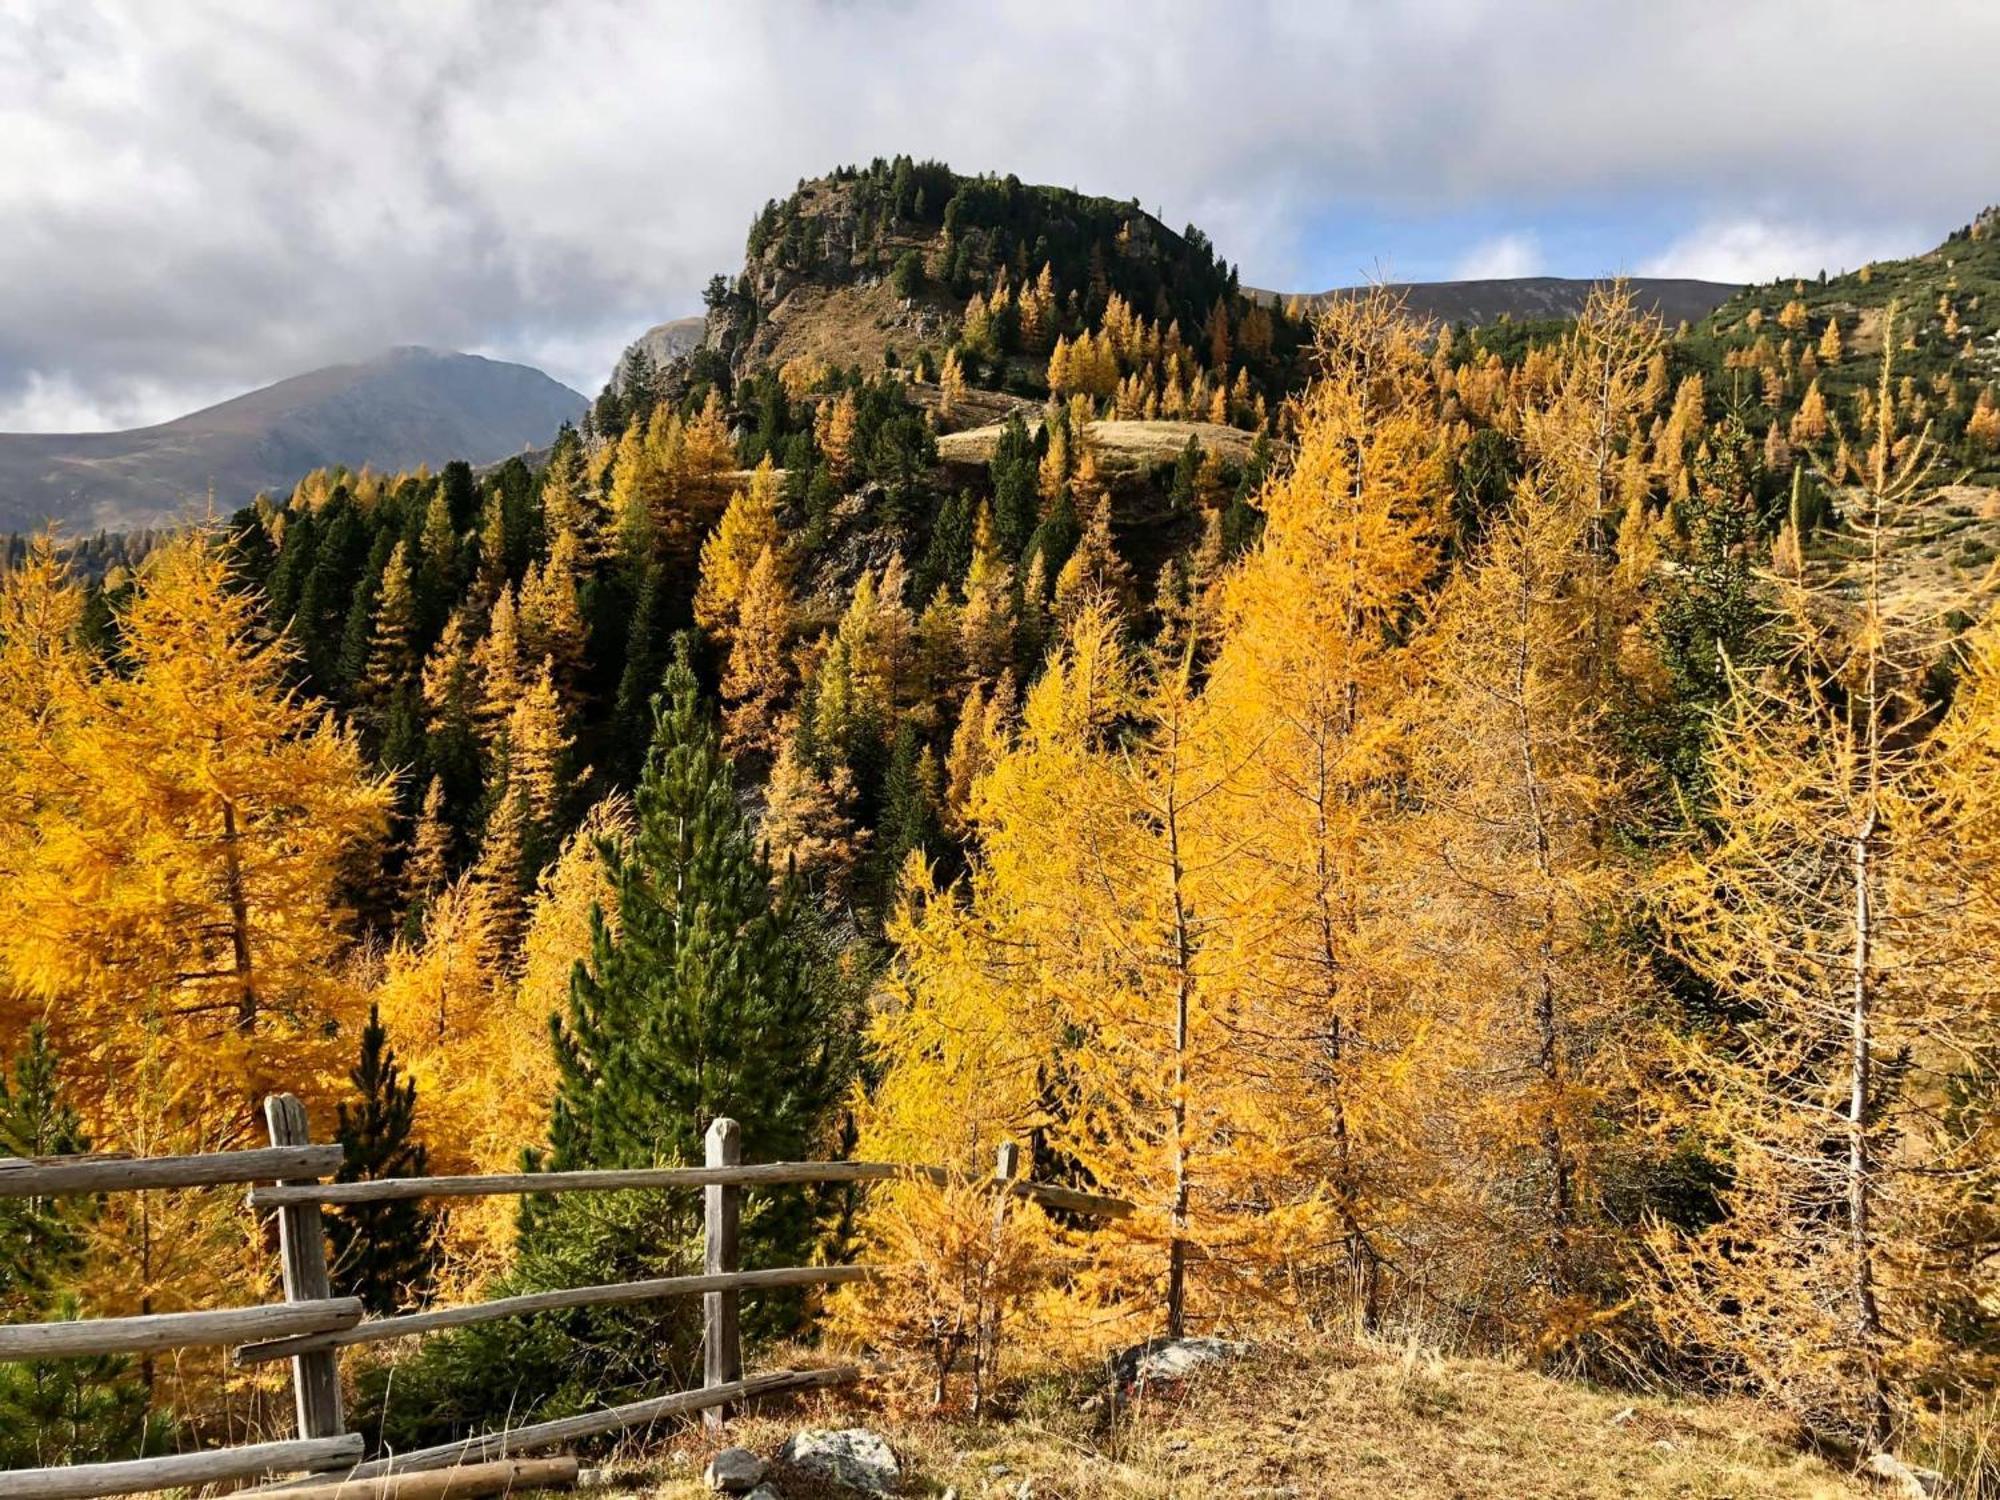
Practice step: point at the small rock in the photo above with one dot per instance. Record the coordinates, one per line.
(998, 1471)
(1906, 1481)
(734, 1471)
(763, 1492)
(853, 1456)
(1172, 1359)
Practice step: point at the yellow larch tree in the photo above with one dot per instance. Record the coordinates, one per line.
(1077, 997)
(538, 744)
(1516, 771)
(1305, 696)
(550, 614)
(749, 527)
(808, 821)
(759, 676)
(1841, 903)
(498, 666)
(833, 430)
(186, 883)
(986, 624)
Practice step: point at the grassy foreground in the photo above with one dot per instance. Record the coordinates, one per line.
(1307, 1423)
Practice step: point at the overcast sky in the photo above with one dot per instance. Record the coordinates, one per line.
(199, 196)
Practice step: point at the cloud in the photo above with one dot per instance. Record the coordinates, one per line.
(214, 193)
(1501, 258)
(1756, 249)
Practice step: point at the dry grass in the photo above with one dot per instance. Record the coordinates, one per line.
(1314, 1422)
(1120, 445)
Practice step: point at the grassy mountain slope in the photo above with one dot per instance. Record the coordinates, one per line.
(1947, 342)
(407, 407)
(1523, 299)
(1293, 1423)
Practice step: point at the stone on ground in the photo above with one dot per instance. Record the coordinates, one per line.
(734, 1471)
(853, 1457)
(1159, 1360)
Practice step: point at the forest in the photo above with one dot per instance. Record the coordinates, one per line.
(1491, 837)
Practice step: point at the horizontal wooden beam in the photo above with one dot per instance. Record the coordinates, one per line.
(174, 1471)
(48, 1177)
(375, 1330)
(185, 1330)
(466, 1482)
(766, 1174)
(493, 1445)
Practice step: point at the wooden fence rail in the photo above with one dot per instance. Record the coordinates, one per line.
(375, 1330)
(174, 1471)
(185, 1330)
(312, 1325)
(51, 1177)
(764, 1174)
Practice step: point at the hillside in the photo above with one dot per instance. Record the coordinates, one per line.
(1524, 299)
(883, 263)
(407, 407)
(1770, 347)
(1289, 1423)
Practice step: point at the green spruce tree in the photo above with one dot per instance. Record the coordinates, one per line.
(57, 1411)
(700, 1006)
(381, 1251)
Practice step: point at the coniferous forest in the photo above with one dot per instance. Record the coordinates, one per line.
(1487, 836)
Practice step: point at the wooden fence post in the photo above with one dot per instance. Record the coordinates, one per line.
(722, 1205)
(302, 1245)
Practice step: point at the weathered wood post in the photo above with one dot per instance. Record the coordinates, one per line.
(722, 1207)
(302, 1245)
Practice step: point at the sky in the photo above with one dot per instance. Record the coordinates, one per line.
(200, 197)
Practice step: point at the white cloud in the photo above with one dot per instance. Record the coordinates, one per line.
(1758, 249)
(214, 193)
(1501, 258)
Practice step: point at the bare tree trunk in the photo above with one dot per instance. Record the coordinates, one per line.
(1177, 1252)
(239, 922)
(1548, 1048)
(1860, 1176)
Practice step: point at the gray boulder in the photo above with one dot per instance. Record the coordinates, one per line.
(1160, 1360)
(734, 1471)
(853, 1457)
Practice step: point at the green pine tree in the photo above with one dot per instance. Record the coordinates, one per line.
(40, 1238)
(57, 1411)
(715, 998)
(701, 1006)
(381, 1251)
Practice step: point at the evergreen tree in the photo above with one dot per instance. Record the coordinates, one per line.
(380, 1250)
(39, 1238)
(56, 1411)
(700, 1005)
(704, 995)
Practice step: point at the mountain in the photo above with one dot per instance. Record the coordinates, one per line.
(868, 265)
(1801, 356)
(662, 344)
(406, 407)
(1526, 299)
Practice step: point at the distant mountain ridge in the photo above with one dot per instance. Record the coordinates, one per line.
(406, 407)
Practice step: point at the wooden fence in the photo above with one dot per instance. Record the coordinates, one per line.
(311, 1325)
